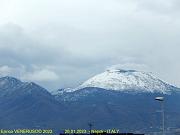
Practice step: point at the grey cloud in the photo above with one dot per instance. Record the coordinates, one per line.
(161, 7)
(79, 39)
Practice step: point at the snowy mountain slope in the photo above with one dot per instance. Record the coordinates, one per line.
(62, 91)
(122, 99)
(34, 106)
(124, 80)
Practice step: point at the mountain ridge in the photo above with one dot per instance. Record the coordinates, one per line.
(28, 105)
(122, 80)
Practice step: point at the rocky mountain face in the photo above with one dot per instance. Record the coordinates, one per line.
(125, 111)
(27, 105)
(121, 99)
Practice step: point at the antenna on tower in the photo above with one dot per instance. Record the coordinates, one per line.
(90, 127)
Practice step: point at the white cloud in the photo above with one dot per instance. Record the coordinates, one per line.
(41, 76)
(5, 70)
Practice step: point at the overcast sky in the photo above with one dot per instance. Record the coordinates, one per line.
(61, 43)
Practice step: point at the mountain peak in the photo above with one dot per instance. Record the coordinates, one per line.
(120, 70)
(33, 86)
(9, 82)
(127, 80)
(9, 78)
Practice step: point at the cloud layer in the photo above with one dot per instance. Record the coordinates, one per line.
(63, 43)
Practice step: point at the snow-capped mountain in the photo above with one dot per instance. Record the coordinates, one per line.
(100, 100)
(124, 80)
(122, 99)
